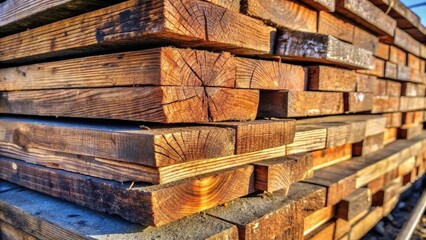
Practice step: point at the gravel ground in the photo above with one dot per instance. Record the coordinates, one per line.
(389, 227)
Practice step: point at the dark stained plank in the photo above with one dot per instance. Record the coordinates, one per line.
(292, 45)
(152, 104)
(140, 23)
(150, 205)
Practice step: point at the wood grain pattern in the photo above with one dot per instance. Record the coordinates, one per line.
(279, 173)
(155, 146)
(20, 15)
(365, 39)
(406, 42)
(383, 104)
(397, 55)
(138, 23)
(153, 104)
(365, 13)
(369, 145)
(137, 204)
(322, 5)
(11, 232)
(307, 138)
(358, 102)
(261, 134)
(378, 70)
(391, 70)
(283, 13)
(393, 119)
(299, 104)
(324, 78)
(365, 83)
(412, 89)
(316, 219)
(324, 232)
(411, 104)
(329, 156)
(364, 225)
(382, 51)
(305, 46)
(355, 204)
(337, 27)
(230, 4)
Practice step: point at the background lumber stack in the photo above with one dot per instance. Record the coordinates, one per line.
(196, 119)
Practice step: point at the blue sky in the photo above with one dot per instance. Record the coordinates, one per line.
(420, 11)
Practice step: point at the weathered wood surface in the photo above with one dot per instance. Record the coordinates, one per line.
(383, 104)
(412, 118)
(330, 24)
(355, 204)
(153, 104)
(307, 138)
(378, 70)
(10, 232)
(140, 22)
(161, 67)
(409, 132)
(46, 217)
(368, 15)
(365, 39)
(299, 104)
(406, 42)
(369, 145)
(322, 5)
(411, 104)
(384, 196)
(315, 220)
(324, 232)
(329, 156)
(364, 225)
(305, 46)
(365, 83)
(283, 13)
(155, 146)
(20, 15)
(413, 90)
(140, 204)
(279, 173)
(391, 70)
(397, 55)
(278, 216)
(358, 102)
(325, 78)
(382, 51)
(258, 135)
(391, 134)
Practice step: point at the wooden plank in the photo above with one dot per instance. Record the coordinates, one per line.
(411, 104)
(19, 15)
(160, 66)
(403, 73)
(111, 26)
(368, 15)
(325, 232)
(339, 182)
(412, 118)
(233, 4)
(383, 104)
(11, 232)
(283, 13)
(307, 138)
(406, 42)
(376, 185)
(408, 132)
(397, 55)
(369, 145)
(365, 224)
(279, 173)
(381, 87)
(278, 215)
(317, 219)
(384, 196)
(394, 88)
(413, 62)
(325, 78)
(291, 45)
(192, 195)
(378, 70)
(413, 90)
(299, 104)
(391, 70)
(365, 83)
(50, 218)
(153, 104)
(358, 102)
(152, 146)
(322, 5)
(390, 135)
(330, 156)
(365, 39)
(382, 51)
(337, 27)
(355, 204)
(393, 120)
(261, 134)
(338, 133)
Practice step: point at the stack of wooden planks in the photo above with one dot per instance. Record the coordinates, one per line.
(207, 119)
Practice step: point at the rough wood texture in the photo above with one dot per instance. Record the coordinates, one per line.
(337, 27)
(413, 90)
(50, 218)
(384, 196)
(365, 83)
(412, 118)
(368, 15)
(411, 104)
(20, 15)
(369, 145)
(409, 132)
(230, 4)
(393, 119)
(140, 22)
(10, 232)
(358, 102)
(364, 39)
(278, 216)
(391, 70)
(279, 173)
(305, 46)
(406, 42)
(324, 232)
(364, 225)
(299, 104)
(314, 221)
(391, 134)
(397, 55)
(378, 70)
(382, 51)
(138, 204)
(156, 146)
(283, 13)
(324, 78)
(322, 5)
(261, 134)
(355, 204)
(383, 104)
(153, 104)
(307, 138)
(329, 156)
